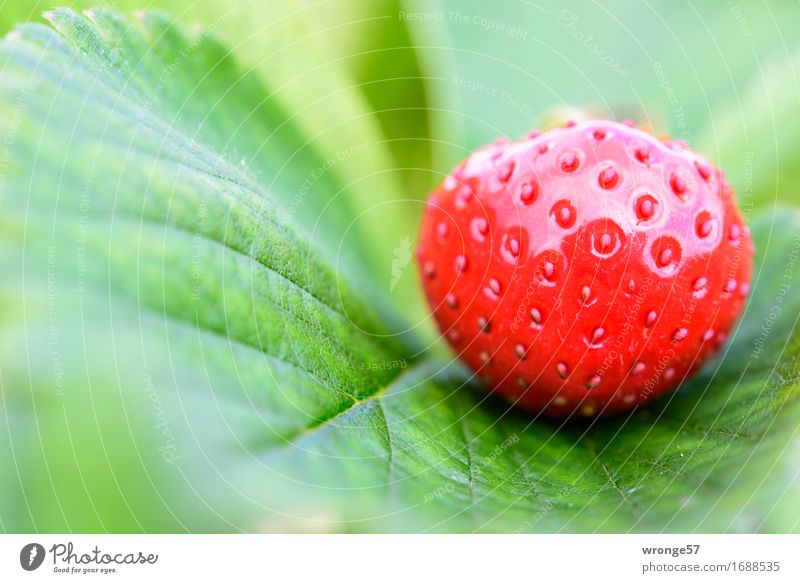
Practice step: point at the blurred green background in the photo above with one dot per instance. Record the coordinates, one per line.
(463, 73)
(396, 93)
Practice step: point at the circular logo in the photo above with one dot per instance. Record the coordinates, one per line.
(31, 556)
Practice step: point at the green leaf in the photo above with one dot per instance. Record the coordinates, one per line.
(178, 353)
(713, 457)
(328, 75)
(436, 453)
(115, 183)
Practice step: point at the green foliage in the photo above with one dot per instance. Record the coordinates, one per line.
(192, 340)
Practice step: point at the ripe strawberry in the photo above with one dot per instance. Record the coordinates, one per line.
(589, 268)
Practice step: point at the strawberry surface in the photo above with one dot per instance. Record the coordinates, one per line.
(587, 269)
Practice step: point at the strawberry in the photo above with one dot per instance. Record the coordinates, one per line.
(586, 269)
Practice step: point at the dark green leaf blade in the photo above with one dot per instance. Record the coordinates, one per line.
(110, 208)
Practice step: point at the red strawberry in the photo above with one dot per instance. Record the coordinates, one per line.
(589, 268)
